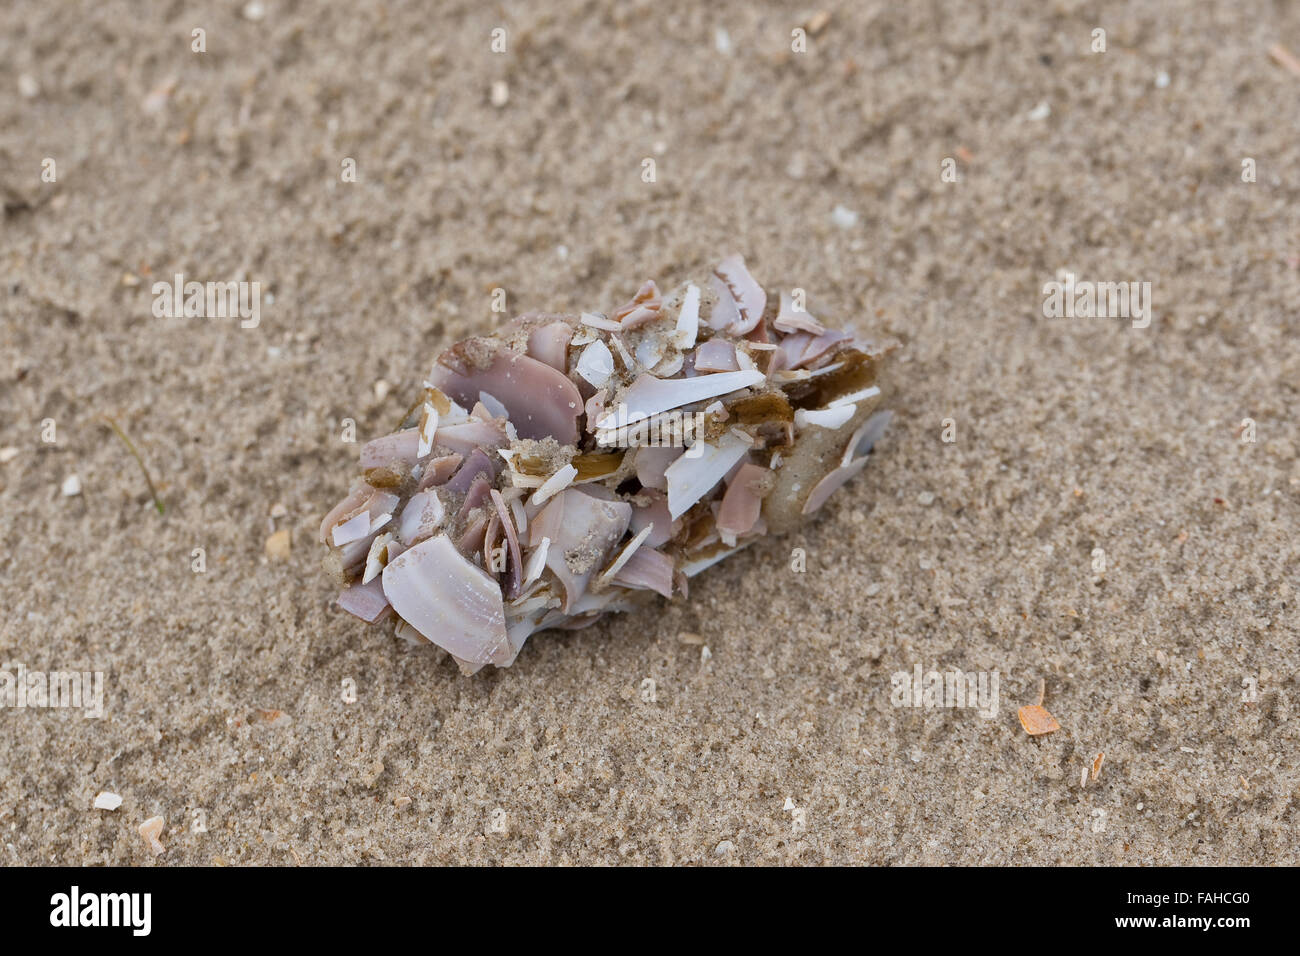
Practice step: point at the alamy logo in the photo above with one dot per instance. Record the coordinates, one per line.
(102, 909)
(977, 690)
(179, 299)
(1098, 300)
(21, 689)
(674, 429)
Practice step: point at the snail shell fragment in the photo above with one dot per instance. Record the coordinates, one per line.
(573, 465)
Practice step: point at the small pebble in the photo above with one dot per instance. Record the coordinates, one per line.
(8, 454)
(722, 41)
(500, 94)
(278, 510)
(723, 848)
(28, 86)
(844, 217)
(71, 486)
(1040, 112)
(107, 801)
(925, 498)
(382, 389)
(277, 545)
(1162, 80)
(401, 803)
(254, 11)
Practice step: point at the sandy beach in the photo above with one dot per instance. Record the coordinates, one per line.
(1101, 509)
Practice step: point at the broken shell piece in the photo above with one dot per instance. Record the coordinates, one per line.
(1036, 720)
(688, 318)
(716, 355)
(790, 319)
(104, 800)
(748, 295)
(575, 465)
(366, 601)
(449, 600)
(541, 400)
(691, 477)
(596, 363)
(555, 484)
(550, 344)
(377, 557)
(151, 830)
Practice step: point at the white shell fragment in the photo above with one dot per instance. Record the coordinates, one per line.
(691, 478)
(573, 465)
(688, 318)
(555, 484)
(649, 395)
(596, 363)
(451, 601)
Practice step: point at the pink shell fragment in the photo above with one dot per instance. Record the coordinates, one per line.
(716, 355)
(742, 501)
(748, 295)
(463, 438)
(586, 530)
(550, 344)
(647, 569)
(790, 320)
(541, 400)
(402, 446)
(366, 601)
(438, 470)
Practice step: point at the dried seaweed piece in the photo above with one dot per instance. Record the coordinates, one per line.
(573, 465)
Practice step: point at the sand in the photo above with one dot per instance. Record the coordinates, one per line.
(1098, 525)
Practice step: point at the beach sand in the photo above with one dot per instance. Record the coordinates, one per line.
(1100, 525)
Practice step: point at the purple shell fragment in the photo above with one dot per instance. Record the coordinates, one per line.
(574, 465)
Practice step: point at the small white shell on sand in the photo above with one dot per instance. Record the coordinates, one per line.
(105, 800)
